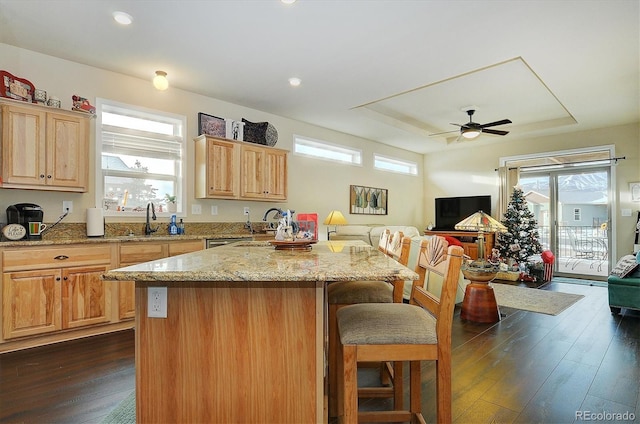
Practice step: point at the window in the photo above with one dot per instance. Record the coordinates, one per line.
(386, 163)
(577, 214)
(323, 150)
(141, 154)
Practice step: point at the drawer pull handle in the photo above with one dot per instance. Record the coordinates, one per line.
(61, 257)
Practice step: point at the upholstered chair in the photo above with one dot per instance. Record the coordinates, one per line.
(396, 332)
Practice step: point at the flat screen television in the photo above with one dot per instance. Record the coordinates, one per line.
(451, 210)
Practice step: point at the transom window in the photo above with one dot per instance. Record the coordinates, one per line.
(386, 163)
(141, 154)
(322, 150)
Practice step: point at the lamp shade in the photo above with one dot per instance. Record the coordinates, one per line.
(335, 218)
(480, 221)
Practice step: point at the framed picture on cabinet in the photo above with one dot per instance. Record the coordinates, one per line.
(211, 125)
(368, 200)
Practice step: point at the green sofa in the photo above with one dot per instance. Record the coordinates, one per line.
(624, 284)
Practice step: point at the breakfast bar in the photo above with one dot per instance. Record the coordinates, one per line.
(244, 337)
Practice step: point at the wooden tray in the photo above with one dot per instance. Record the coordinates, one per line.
(301, 244)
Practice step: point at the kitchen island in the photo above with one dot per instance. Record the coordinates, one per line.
(245, 334)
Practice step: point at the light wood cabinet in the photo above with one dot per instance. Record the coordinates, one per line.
(135, 253)
(263, 173)
(49, 289)
(44, 148)
(226, 169)
(216, 165)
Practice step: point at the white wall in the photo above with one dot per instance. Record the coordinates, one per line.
(314, 186)
(471, 171)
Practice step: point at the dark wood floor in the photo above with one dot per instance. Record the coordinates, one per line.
(528, 368)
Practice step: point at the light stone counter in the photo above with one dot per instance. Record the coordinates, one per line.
(259, 261)
(245, 332)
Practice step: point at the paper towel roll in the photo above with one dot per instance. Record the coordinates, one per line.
(95, 222)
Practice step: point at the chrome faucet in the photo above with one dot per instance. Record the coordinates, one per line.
(276, 216)
(147, 227)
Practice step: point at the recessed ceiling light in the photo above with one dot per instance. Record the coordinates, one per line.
(294, 82)
(122, 18)
(288, 1)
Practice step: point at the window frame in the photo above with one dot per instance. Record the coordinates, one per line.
(179, 123)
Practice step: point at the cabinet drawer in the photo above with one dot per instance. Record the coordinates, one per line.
(142, 252)
(55, 257)
(185, 247)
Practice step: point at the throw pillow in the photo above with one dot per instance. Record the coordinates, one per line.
(453, 241)
(255, 132)
(260, 133)
(625, 266)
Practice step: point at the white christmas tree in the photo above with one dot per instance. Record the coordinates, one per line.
(521, 239)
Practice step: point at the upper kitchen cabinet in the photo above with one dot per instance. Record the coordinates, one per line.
(227, 169)
(44, 148)
(217, 163)
(263, 174)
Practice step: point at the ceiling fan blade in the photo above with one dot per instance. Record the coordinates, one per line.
(493, 124)
(441, 133)
(496, 132)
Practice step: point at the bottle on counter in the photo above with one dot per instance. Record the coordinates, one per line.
(181, 227)
(173, 227)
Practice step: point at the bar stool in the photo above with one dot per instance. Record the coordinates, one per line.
(414, 332)
(340, 294)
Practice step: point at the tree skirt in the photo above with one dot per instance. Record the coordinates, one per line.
(534, 300)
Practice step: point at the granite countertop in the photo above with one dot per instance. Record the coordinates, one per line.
(119, 239)
(259, 261)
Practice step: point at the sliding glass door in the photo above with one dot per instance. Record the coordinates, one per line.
(572, 210)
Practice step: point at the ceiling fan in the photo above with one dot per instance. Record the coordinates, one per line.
(471, 129)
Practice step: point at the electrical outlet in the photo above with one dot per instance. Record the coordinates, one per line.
(246, 210)
(214, 210)
(196, 209)
(157, 302)
(67, 206)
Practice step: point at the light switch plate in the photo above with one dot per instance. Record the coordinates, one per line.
(625, 212)
(196, 209)
(214, 210)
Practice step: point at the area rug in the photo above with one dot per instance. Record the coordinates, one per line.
(125, 412)
(534, 300)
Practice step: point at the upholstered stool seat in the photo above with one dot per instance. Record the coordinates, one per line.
(350, 292)
(386, 325)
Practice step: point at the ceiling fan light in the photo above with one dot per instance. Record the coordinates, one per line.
(470, 133)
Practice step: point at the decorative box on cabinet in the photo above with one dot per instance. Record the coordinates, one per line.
(44, 148)
(45, 290)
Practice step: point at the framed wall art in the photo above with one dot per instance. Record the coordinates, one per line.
(368, 200)
(211, 125)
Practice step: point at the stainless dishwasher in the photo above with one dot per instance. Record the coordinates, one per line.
(224, 241)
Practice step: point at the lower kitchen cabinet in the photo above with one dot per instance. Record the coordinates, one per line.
(45, 290)
(135, 253)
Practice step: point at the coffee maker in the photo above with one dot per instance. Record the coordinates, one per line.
(22, 214)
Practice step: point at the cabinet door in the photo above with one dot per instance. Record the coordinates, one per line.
(23, 146)
(86, 299)
(126, 299)
(252, 172)
(30, 303)
(275, 175)
(221, 169)
(67, 151)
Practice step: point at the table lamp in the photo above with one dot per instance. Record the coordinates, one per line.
(334, 218)
(479, 302)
